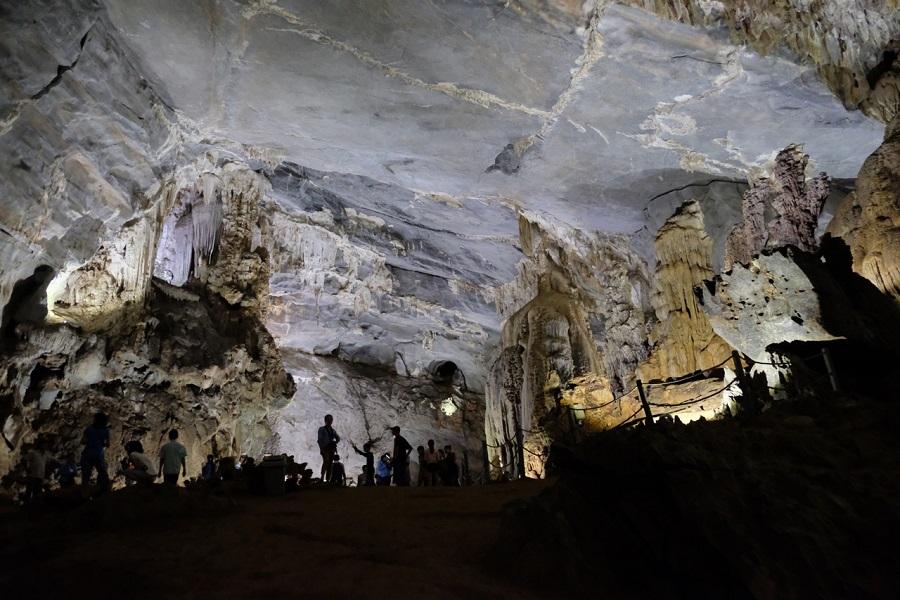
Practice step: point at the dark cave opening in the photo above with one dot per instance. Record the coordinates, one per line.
(27, 304)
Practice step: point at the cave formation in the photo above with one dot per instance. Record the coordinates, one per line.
(505, 226)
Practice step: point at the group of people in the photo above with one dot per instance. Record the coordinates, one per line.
(435, 466)
(137, 467)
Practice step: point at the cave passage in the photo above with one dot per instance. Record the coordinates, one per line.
(632, 269)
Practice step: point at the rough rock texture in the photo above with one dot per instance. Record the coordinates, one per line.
(796, 203)
(770, 301)
(618, 105)
(847, 40)
(576, 307)
(98, 160)
(367, 401)
(869, 219)
(599, 274)
(682, 341)
(151, 355)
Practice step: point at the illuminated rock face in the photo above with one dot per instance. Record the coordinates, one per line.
(683, 341)
(869, 220)
(201, 229)
(577, 307)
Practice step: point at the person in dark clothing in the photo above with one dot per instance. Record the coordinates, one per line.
(369, 469)
(432, 465)
(420, 480)
(450, 468)
(402, 450)
(338, 477)
(208, 471)
(95, 440)
(327, 439)
(67, 471)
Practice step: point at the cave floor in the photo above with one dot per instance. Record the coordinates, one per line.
(325, 543)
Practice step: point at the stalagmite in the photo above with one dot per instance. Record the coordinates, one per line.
(682, 341)
(796, 203)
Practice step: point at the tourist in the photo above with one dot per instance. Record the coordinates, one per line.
(383, 473)
(338, 476)
(369, 469)
(172, 460)
(327, 439)
(451, 469)
(208, 471)
(35, 470)
(66, 472)
(420, 476)
(140, 467)
(95, 440)
(402, 450)
(432, 464)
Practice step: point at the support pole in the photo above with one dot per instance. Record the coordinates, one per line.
(644, 403)
(829, 365)
(743, 381)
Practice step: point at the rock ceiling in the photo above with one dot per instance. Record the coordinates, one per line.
(425, 95)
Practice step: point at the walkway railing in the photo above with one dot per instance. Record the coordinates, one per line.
(514, 449)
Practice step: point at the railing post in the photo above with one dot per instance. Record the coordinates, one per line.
(832, 375)
(644, 403)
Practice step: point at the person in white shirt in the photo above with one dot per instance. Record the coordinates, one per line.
(172, 457)
(140, 467)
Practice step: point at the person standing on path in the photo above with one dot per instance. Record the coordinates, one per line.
(36, 470)
(327, 439)
(95, 440)
(420, 477)
(402, 449)
(366, 452)
(172, 459)
(383, 473)
(432, 464)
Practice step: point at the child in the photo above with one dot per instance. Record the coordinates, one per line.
(369, 469)
(338, 475)
(67, 471)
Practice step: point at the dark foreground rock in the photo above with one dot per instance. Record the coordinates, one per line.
(795, 503)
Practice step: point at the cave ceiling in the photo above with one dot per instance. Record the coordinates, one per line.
(607, 110)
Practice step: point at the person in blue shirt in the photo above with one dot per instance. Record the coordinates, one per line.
(383, 472)
(208, 472)
(95, 440)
